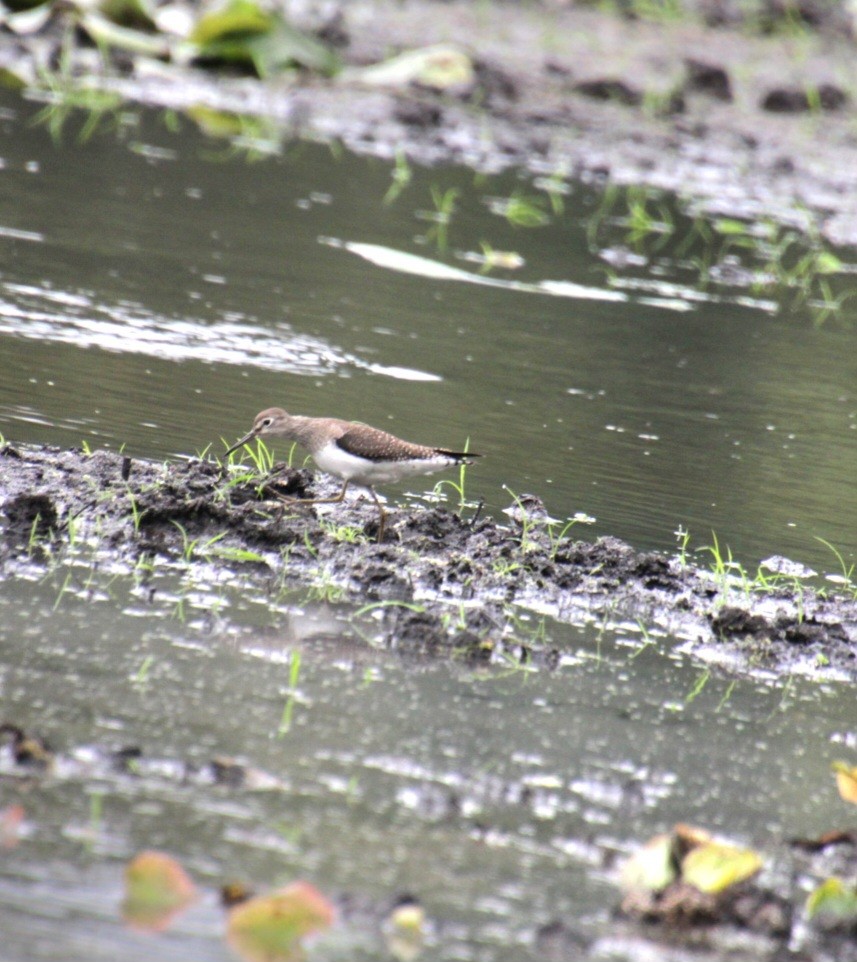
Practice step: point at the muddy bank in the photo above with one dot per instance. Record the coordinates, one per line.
(736, 122)
(447, 583)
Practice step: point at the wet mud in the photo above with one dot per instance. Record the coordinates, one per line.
(742, 117)
(443, 583)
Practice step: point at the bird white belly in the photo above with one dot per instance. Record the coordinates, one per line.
(334, 460)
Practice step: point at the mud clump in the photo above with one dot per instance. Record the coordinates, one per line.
(736, 622)
(30, 516)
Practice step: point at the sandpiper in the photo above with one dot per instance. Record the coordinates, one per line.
(354, 452)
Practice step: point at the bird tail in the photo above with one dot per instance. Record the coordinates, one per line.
(463, 457)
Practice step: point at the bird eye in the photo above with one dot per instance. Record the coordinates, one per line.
(267, 422)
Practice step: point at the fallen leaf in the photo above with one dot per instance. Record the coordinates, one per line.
(846, 781)
(240, 18)
(652, 867)
(11, 819)
(157, 888)
(715, 866)
(835, 836)
(242, 32)
(271, 928)
(440, 66)
(834, 899)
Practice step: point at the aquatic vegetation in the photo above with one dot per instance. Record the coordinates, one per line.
(772, 575)
(459, 488)
(444, 202)
(250, 137)
(440, 67)
(682, 536)
(67, 94)
(400, 176)
(520, 210)
(345, 533)
(490, 259)
(141, 677)
(845, 578)
(262, 456)
(135, 509)
(642, 212)
(289, 708)
(797, 268)
(530, 514)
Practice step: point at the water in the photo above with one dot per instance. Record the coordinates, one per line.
(496, 795)
(174, 292)
(156, 291)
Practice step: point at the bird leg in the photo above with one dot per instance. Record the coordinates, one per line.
(382, 515)
(337, 500)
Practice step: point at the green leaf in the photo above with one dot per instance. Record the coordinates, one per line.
(522, 213)
(726, 225)
(10, 80)
(237, 19)
(284, 47)
(243, 33)
(216, 123)
(228, 553)
(827, 263)
(833, 898)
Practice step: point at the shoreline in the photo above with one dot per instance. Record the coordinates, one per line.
(124, 514)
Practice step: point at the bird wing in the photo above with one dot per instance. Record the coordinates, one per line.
(374, 444)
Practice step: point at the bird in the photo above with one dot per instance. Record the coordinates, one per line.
(353, 451)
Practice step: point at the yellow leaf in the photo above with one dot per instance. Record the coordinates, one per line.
(238, 18)
(846, 781)
(270, 928)
(715, 866)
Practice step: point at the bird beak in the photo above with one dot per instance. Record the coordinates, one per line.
(247, 437)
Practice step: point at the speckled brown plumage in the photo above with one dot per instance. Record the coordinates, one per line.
(354, 451)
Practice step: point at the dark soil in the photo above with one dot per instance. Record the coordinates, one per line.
(141, 509)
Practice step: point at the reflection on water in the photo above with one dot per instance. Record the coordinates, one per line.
(77, 320)
(156, 299)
